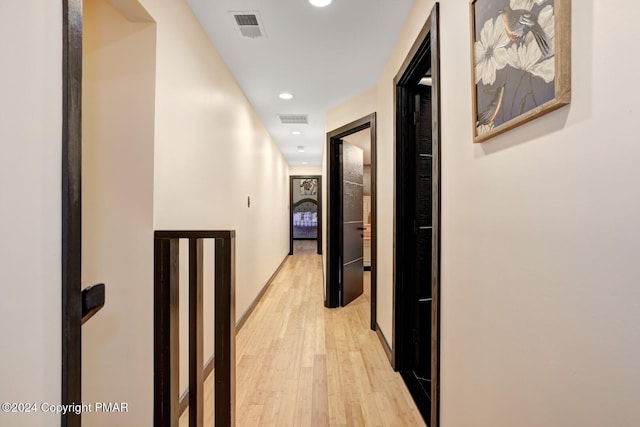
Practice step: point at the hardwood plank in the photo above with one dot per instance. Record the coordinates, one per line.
(303, 403)
(320, 397)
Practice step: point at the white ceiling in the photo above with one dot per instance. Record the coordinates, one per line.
(323, 56)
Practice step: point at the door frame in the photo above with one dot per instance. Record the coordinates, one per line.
(427, 43)
(334, 206)
(71, 366)
(319, 197)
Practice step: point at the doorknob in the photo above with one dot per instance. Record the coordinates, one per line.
(361, 228)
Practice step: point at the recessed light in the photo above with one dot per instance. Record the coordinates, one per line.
(296, 132)
(286, 95)
(320, 3)
(300, 148)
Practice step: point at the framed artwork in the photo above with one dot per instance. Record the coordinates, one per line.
(521, 60)
(308, 187)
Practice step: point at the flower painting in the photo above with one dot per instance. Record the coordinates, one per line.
(520, 68)
(308, 186)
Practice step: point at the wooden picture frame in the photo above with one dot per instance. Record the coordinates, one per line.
(520, 60)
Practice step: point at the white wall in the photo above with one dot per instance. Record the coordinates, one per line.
(385, 167)
(544, 221)
(305, 170)
(118, 134)
(357, 107)
(212, 152)
(30, 204)
(540, 295)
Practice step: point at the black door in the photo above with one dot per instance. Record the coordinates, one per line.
(418, 256)
(423, 240)
(352, 222)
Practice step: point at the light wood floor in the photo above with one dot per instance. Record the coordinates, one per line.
(301, 247)
(300, 364)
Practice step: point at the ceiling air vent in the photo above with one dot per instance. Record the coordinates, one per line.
(250, 24)
(294, 119)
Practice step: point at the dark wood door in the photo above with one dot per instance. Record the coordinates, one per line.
(352, 260)
(418, 256)
(423, 233)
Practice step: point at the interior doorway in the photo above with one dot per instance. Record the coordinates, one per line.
(305, 213)
(416, 338)
(362, 140)
(351, 212)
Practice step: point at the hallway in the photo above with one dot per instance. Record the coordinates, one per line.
(300, 364)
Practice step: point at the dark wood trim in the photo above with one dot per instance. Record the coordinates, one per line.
(71, 366)
(374, 221)
(196, 334)
(225, 333)
(437, 195)
(331, 277)
(332, 290)
(290, 215)
(416, 51)
(291, 206)
(319, 234)
(166, 314)
(257, 299)
(385, 344)
(194, 234)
